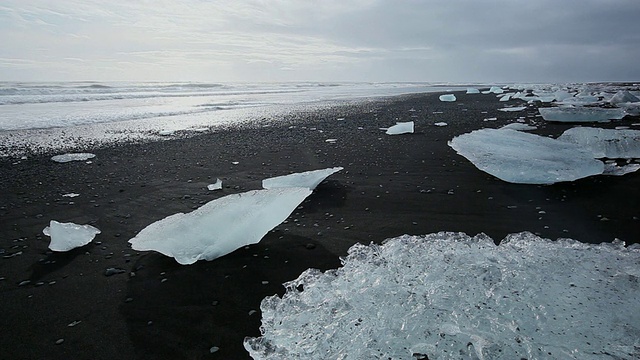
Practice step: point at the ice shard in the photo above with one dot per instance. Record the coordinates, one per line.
(581, 114)
(72, 157)
(523, 158)
(220, 226)
(605, 143)
(447, 97)
(452, 296)
(401, 128)
(68, 236)
(307, 179)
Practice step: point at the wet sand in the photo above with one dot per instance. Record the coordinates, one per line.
(63, 306)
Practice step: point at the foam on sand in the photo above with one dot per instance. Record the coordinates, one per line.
(452, 296)
(220, 226)
(67, 236)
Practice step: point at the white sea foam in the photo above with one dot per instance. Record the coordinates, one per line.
(451, 296)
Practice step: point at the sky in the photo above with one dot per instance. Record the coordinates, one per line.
(554, 41)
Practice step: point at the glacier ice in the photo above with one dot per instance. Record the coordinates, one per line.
(447, 97)
(519, 127)
(220, 226)
(623, 96)
(614, 169)
(72, 157)
(473, 91)
(452, 296)
(215, 186)
(511, 109)
(441, 123)
(523, 158)
(401, 128)
(307, 179)
(494, 90)
(605, 143)
(581, 114)
(67, 236)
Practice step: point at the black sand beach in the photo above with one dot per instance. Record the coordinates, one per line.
(63, 306)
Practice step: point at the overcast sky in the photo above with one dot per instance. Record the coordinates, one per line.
(321, 40)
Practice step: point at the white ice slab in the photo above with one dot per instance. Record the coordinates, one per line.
(581, 114)
(401, 128)
(523, 158)
(67, 236)
(215, 186)
(220, 226)
(452, 296)
(512, 109)
(447, 97)
(473, 91)
(307, 179)
(605, 143)
(519, 127)
(72, 157)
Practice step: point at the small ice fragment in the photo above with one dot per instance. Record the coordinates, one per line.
(605, 143)
(473, 91)
(166, 132)
(220, 226)
(401, 128)
(447, 97)
(215, 186)
(331, 141)
(67, 236)
(581, 114)
(307, 179)
(511, 109)
(70, 195)
(523, 158)
(441, 124)
(235, 162)
(491, 119)
(72, 157)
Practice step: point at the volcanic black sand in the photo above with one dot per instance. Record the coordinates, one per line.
(64, 306)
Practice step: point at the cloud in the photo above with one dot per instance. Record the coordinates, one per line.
(333, 40)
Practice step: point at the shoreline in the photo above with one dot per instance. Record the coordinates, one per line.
(391, 185)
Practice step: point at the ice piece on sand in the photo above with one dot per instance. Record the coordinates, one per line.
(623, 96)
(215, 186)
(581, 114)
(401, 300)
(519, 127)
(166, 132)
(605, 143)
(496, 90)
(71, 195)
(72, 157)
(307, 179)
(401, 128)
(523, 158)
(511, 109)
(447, 97)
(441, 124)
(473, 91)
(613, 169)
(220, 226)
(67, 236)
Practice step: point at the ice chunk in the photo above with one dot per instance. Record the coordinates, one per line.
(473, 91)
(519, 127)
(166, 132)
(512, 109)
(441, 124)
(605, 143)
(447, 97)
(72, 157)
(451, 296)
(71, 195)
(220, 226)
(494, 90)
(401, 128)
(307, 179)
(623, 96)
(506, 97)
(67, 236)
(613, 169)
(581, 114)
(524, 158)
(215, 186)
